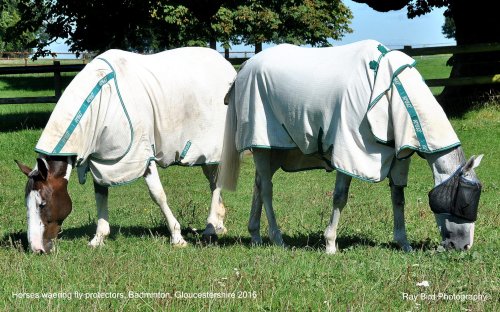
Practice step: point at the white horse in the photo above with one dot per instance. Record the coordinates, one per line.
(119, 118)
(360, 109)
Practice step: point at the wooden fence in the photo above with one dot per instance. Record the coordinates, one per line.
(57, 69)
(459, 81)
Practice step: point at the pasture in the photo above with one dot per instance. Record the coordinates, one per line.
(137, 269)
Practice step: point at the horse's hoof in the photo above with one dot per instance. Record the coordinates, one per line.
(331, 250)
(407, 248)
(209, 239)
(179, 243)
(220, 230)
(256, 242)
(97, 241)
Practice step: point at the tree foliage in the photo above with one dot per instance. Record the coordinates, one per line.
(448, 28)
(313, 22)
(94, 25)
(310, 22)
(154, 25)
(9, 19)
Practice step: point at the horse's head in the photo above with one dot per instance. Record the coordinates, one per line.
(47, 200)
(454, 203)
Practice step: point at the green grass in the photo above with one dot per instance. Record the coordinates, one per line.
(433, 66)
(24, 85)
(368, 274)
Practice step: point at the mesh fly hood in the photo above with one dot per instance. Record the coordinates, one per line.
(457, 196)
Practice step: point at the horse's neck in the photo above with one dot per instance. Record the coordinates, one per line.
(444, 164)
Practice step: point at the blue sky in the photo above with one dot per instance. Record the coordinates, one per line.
(392, 28)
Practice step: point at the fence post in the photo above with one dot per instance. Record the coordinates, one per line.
(57, 80)
(407, 49)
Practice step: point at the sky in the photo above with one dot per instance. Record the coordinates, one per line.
(392, 28)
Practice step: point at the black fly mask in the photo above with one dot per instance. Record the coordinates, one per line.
(456, 196)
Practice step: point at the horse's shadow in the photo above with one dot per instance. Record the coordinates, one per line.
(313, 241)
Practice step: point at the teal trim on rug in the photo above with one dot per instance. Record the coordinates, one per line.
(185, 150)
(417, 126)
(374, 64)
(396, 73)
(307, 169)
(79, 115)
(416, 149)
(382, 49)
(123, 106)
(357, 177)
(314, 168)
(52, 154)
(134, 179)
(266, 147)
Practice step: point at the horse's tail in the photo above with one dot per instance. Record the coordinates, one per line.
(229, 168)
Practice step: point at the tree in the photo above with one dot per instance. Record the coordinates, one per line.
(475, 22)
(96, 25)
(197, 23)
(298, 22)
(448, 28)
(9, 19)
(257, 23)
(313, 22)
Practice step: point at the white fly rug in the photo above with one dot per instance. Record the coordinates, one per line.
(124, 110)
(352, 108)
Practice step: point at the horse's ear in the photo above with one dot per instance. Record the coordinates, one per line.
(473, 162)
(25, 169)
(42, 167)
(477, 161)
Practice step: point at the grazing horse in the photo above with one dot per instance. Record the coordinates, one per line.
(119, 118)
(359, 109)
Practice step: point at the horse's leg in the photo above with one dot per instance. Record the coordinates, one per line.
(342, 183)
(158, 195)
(398, 178)
(101, 199)
(215, 220)
(264, 186)
(255, 213)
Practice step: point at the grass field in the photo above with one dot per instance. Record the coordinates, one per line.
(137, 269)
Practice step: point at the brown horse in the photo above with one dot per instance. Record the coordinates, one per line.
(120, 117)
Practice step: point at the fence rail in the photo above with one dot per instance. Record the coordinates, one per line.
(458, 81)
(57, 69)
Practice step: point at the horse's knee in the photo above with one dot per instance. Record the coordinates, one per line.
(398, 194)
(265, 188)
(157, 194)
(340, 198)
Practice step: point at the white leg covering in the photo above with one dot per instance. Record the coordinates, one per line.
(103, 230)
(341, 192)
(158, 195)
(215, 220)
